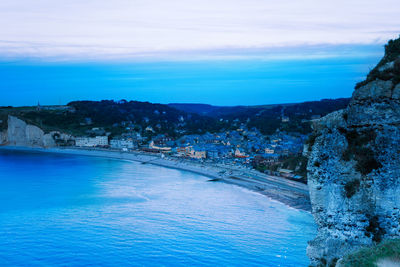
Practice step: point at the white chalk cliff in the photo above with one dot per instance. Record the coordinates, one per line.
(354, 167)
(19, 133)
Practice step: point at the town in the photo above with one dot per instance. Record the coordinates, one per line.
(280, 154)
(270, 139)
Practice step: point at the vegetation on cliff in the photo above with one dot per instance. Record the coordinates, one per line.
(392, 54)
(359, 149)
(388, 251)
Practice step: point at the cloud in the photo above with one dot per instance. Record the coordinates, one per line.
(129, 29)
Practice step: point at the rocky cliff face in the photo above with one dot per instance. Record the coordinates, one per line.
(19, 133)
(3, 137)
(354, 167)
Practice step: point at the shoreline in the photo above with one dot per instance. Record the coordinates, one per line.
(290, 193)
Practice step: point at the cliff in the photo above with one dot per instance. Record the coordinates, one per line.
(19, 133)
(354, 167)
(3, 137)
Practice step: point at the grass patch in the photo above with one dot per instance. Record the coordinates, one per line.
(368, 257)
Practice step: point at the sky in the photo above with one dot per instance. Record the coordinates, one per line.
(236, 52)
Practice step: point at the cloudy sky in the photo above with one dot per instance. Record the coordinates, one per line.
(123, 29)
(223, 52)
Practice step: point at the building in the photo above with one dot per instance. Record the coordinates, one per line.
(212, 154)
(269, 150)
(122, 143)
(149, 129)
(198, 153)
(92, 141)
(239, 154)
(184, 151)
(286, 173)
(163, 149)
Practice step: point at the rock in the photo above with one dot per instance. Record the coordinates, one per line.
(3, 137)
(354, 173)
(387, 66)
(373, 90)
(374, 104)
(396, 92)
(48, 140)
(334, 119)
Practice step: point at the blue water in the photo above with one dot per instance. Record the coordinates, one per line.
(64, 210)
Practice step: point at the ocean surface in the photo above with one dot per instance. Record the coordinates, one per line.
(68, 210)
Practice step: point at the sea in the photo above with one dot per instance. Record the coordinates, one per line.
(70, 210)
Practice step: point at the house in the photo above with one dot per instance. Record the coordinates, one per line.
(183, 151)
(198, 153)
(239, 154)
(149, 129)
(268, 150)
(163, 140)
(212, 154)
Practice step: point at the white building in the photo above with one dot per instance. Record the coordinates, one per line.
(198, 153)
(239, 154)
(122, 143)
(149, 129)
(269, 150)
(285, 119)
(91, 141)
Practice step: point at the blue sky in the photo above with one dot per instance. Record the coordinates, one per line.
(219, 52)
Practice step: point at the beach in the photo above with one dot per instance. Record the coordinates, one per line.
(291, 193)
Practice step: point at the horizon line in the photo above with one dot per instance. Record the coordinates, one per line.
(173, 103)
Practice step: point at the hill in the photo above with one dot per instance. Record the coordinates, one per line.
(79, 117)
(201, 109)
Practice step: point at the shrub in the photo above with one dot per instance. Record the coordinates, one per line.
(392, 52)
(351, 187)
(396, 72)
(375, 229)
(311, 141)
(357, 149)
(345, 116)
(366, 161)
